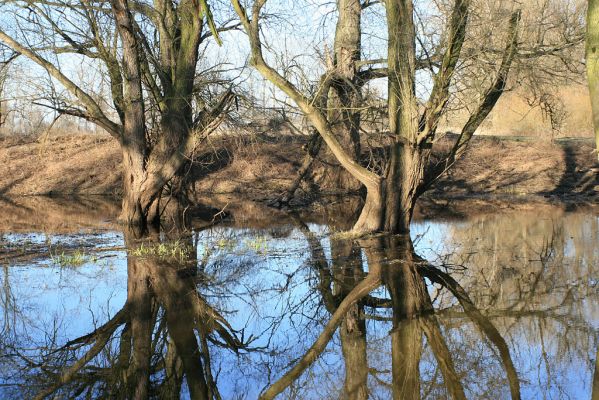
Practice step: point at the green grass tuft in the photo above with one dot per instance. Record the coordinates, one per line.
(170, 250)
(76, 259)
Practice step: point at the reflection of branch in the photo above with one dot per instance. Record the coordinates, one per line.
(517, 314)
(372, 281)
(209, 320)
(319, 263)
(480, 320)
(109, 327)
(102, 336)
(435, 339)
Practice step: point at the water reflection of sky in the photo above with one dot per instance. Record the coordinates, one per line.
(273, 297)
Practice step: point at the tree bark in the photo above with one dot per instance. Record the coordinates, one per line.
(135, 203)
(406, 171)
(397, 195)
(133, 143)
(389, 208)
(342, 104)
(345, 97)
(592, 60)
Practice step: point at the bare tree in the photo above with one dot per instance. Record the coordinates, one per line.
(393, 187)
(150, 54)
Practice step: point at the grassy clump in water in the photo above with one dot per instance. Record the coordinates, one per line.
(76, 259)
(177, 250)
(258, 244)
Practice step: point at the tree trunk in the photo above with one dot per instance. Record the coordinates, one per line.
(371, 217)
(389, 207)
(148, 168)
(144, 177)
(406, 171)
(592, 59)
(141, 202)
(346, 93)
(345, 97)
(133, 140)
(134, 210)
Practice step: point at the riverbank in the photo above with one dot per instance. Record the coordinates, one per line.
(262, 167)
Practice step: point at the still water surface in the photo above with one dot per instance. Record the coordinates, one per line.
(492, 306)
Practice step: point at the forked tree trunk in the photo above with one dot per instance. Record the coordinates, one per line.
(389, 207)
(134, 210)
(391, 196)
(146, 175)
(148, 167)
(140, 202)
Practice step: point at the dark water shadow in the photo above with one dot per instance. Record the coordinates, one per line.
(574, 180)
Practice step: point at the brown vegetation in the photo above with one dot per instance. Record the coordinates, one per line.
(262, 167)
(514, 115)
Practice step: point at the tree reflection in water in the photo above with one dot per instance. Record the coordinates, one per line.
(160, 337)
(400, 326)
(393, 263)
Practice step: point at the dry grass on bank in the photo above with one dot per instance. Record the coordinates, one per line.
(263, 165)
(65, 164)
(513, 115)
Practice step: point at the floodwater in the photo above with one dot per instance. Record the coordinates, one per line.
(485, 306)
